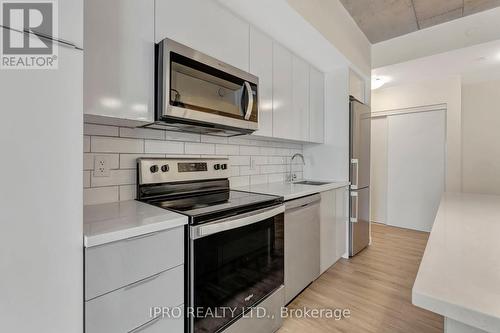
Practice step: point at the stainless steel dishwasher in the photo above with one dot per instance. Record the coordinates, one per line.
(302, 247)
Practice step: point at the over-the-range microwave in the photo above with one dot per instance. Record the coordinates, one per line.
(198, 93)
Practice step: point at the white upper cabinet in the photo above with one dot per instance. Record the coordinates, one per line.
(299, 124)
(205, 26)
(71, 21)
(282, 92)
(316, 106)
(119, 59)
(261, 65)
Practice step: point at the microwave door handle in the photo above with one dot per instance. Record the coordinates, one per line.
(249, 109)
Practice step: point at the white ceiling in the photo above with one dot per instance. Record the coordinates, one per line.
(381, 20)
(474, 64)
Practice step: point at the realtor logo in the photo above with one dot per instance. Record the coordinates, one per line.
(28, 34)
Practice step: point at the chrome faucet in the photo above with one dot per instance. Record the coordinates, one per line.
(292, 176)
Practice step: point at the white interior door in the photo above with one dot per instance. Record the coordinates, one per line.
(378, 179)
(416, 168)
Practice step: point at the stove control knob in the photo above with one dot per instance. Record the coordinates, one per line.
(223, 166)
(165, 168)
(154, 169)
(216, 166)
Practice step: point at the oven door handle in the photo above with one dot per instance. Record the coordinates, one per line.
(233, 223)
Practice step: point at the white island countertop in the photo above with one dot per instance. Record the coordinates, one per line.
(106, 223)
(291, 191)
(459, 276)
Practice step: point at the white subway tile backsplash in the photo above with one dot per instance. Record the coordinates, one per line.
(101, 144)
(117, 177)
(239, 181)
(98, 195)
(129, 161)
(86, 144)
(272, 168)
(222, 149)
(163, 147)
(86, 179)
(199, 148)
(277, 160)
(128, 192)
(267, 151)
(142, 133)
(251, 160)
(249, 150)
(276, 177)
(246, 170)
(182, 136)
(258, 179)
(259, 160)
(213, 139)
(239, 160)
(93, 129)
(88, 160)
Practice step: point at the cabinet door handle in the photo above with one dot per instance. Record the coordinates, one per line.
(355, 164)
(146, 325)
(354, 216)
(138, 283)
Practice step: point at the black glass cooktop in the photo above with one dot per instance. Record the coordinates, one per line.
(215, 205)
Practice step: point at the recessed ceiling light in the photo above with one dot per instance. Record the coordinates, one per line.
(379, 81)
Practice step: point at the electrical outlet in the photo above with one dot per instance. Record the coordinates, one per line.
(101, 166)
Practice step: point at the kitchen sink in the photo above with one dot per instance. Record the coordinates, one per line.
(310, 182)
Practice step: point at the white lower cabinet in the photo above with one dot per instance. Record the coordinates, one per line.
(333, 227)
(125, 279)
(128, 308)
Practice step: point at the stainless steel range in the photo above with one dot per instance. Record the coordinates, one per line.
(234, 240)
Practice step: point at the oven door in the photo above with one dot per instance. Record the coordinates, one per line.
(235, 263)
(198, 88)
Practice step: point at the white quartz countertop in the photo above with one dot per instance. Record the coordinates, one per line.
(111, 222)
(459, 276)
(291, 191)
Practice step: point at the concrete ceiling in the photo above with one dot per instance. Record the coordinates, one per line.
(385, 19)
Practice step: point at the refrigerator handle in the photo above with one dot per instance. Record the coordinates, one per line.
(354, 198)
(355, 164)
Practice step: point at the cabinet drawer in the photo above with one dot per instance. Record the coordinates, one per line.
(128, 308)
(115, 265)
(162, 325)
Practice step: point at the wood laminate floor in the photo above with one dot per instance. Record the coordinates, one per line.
(375, 286)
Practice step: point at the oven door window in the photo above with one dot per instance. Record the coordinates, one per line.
(236, 269)
(196, 86)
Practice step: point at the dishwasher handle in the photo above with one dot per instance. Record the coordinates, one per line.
(302, 202)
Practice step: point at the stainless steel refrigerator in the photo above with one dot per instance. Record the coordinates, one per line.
(359, 176)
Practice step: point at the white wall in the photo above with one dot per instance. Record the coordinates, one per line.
(332, 20)
(470, 30)
(430, 93)
(481, 137)
(330, 161)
